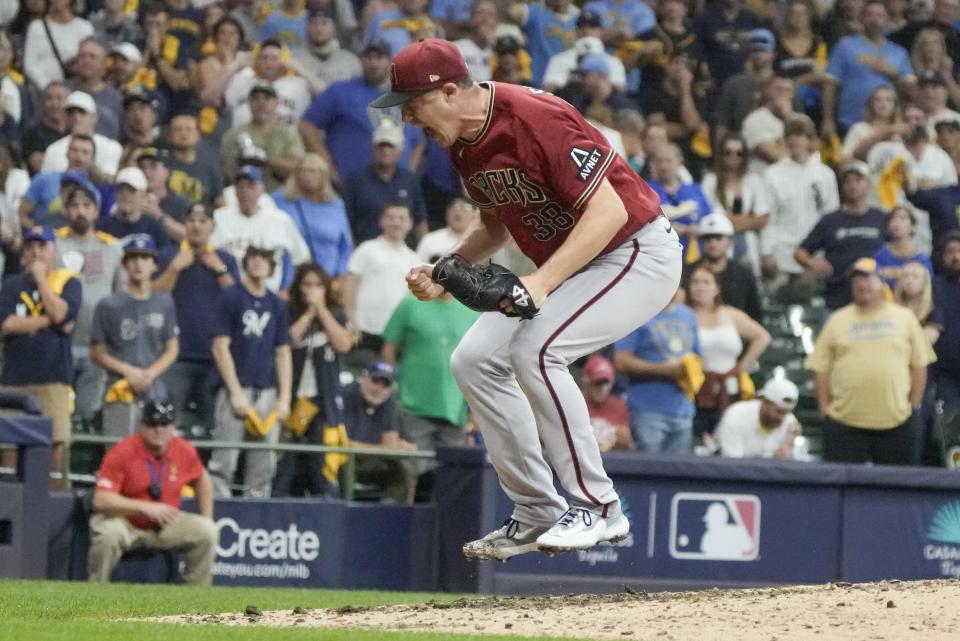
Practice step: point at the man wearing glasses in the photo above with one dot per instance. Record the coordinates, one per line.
(137, 500)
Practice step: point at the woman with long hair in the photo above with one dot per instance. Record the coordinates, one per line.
(915, 292)
(741, 195)
(213, 73)
(801, 54)
(319, 336)
(52, 42)
(310, 200)
(882, 121)
(930, 59)
(730, 342)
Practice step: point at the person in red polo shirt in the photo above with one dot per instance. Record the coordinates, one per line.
(137, 500)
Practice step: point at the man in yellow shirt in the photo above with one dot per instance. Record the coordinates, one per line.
(871, 371)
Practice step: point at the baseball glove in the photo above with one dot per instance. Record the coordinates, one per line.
(484, 287)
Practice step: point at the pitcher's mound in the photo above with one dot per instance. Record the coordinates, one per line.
(891, 610)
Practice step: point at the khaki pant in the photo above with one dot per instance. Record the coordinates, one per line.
(111, 536)
(56, 403)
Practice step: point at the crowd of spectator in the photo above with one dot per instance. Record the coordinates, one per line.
(197, 205)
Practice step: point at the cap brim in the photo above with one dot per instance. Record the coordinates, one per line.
(395, 98)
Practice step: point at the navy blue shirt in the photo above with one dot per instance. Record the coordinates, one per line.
(946, 314)
(196, 288)
(121, 229)
(366, 195)
(844, 238)
(723, 42)
(943, 205)
(256, 327)
(44, 356)
(366, 423)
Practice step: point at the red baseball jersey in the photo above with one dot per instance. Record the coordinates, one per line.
(537, 162)
(129, 469)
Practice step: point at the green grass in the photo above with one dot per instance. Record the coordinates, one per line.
(59, 611)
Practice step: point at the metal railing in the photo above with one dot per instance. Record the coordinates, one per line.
(348, 490)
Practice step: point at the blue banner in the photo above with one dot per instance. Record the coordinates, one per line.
(320, 544)
(901, 535)
(729, 532)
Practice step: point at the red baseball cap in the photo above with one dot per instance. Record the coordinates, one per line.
(598, 369)
(421, 67)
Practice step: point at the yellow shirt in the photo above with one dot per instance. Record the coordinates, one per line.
(868, 357)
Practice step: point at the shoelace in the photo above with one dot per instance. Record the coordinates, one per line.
(513, 526)
(574, 514)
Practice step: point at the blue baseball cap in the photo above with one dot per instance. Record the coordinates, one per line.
(762, 40)
(381, 369)
(250, 173)
(140, 244)
(593, 62)
(83, 184)
(39, 232)
(75, 177)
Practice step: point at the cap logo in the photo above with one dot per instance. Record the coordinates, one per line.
(393, 75)
(434, 77)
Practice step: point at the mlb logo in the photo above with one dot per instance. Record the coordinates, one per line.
(714, 527)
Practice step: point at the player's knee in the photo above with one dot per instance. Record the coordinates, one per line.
(471, 355)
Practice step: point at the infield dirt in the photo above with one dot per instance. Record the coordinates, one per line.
(890, 610)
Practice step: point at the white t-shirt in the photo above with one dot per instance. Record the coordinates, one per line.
(293, 97)
(10, 98)
(107, 157)
(477, 59)
(382, 268)
(269, 227)
(933, 169)
(760, 126)
(438, 242)
(562, 64)
(18, 182)
(739, 435)
(40, 64)
(753, 196)
(798, 196)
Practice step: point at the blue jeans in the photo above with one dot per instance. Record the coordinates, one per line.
(661, 433)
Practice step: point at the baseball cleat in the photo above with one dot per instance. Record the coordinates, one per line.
(580, 529)
(507, 541)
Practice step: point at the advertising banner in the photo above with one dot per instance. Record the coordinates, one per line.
(901, 534)
(708, 531)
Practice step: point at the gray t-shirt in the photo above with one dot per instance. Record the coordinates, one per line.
(339, 65)
(135, 331)
(98, 262)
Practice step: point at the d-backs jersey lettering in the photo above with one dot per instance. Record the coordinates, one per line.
(537, 162)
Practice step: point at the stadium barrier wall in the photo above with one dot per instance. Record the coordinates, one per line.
(696, 523)
(699, 523)
(279, 543)
(23, 499)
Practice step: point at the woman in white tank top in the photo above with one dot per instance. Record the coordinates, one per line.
(730, 343)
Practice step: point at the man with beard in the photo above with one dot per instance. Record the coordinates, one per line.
(96, 257)
(323, 56)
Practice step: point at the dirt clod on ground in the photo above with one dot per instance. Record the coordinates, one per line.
(886, 611)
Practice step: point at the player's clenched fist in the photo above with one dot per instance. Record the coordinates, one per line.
(421, 284)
